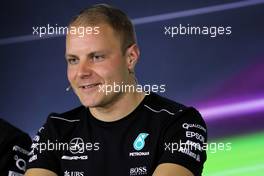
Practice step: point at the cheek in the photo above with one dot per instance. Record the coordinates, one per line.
(70, 74)
(116, 70)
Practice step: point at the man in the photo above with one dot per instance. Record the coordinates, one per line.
(14, 150)
(118, 132)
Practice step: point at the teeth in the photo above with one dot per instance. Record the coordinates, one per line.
(88, 86)
(85, 87)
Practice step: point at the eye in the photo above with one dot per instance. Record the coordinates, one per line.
(73, 61)
(98, 58)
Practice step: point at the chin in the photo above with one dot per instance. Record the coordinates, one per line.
(90, 102)
(89, 105)
(98, 100)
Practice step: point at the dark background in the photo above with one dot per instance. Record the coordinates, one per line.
(198, 70)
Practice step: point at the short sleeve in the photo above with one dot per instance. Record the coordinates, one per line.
(183, 139)
(42, 154)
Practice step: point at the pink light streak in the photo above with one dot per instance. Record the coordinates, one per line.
(233, 109)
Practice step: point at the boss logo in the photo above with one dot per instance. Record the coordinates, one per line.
(138, 171)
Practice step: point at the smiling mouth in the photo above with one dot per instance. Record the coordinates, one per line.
(89, 86)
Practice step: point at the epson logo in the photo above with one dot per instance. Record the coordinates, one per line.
(138, 171)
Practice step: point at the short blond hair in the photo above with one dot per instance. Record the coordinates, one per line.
(115, 18)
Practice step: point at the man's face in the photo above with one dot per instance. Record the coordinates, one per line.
(93, 61)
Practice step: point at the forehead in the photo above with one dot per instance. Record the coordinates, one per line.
(99, 36)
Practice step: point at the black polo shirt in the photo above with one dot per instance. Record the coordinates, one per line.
(158, 131)
(14, 150)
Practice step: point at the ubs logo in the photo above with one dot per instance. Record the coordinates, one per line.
(73, 173)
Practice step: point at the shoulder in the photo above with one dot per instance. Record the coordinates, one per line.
(12, 133)
(59, 124)
(172, 111)
(161, 105)
(6, 126)
(73, 115)
(13, 142)
(162, 102)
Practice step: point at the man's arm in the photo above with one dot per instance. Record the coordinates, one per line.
(39, 172)
(182, 152)
(42, 161)
(169, 169)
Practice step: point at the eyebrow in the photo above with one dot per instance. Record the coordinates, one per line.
(91, 54)
(94, 53)
(69, 55)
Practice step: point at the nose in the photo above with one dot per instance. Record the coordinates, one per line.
(84, 70)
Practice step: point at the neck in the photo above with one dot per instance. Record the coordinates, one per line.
(119, 109)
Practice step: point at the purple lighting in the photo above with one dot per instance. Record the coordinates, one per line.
(234, 109)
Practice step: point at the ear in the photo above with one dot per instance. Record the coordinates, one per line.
(132, 56)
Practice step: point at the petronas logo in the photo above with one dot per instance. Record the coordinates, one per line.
(139, 143)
